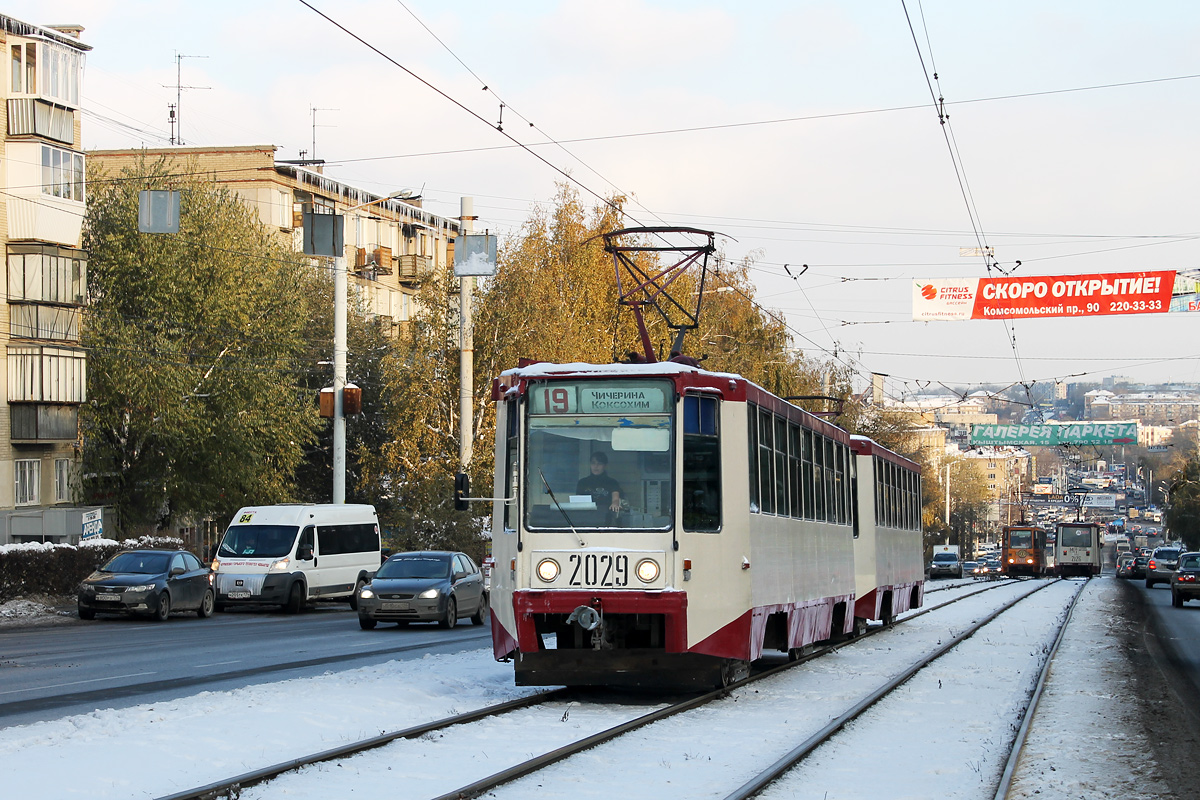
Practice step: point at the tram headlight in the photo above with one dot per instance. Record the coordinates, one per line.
(548, 569)
(647, 570)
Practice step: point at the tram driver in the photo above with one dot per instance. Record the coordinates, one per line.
(604, 489)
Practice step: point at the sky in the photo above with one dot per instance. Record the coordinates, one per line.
(956, 717)
(805, 133)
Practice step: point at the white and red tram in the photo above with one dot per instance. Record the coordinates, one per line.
(725, 526)
(888, 563)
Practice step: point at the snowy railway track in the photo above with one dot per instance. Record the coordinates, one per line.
(342, 760)
(770, 776)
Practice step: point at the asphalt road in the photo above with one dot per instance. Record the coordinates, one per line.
(1163, 645)
(113, 662)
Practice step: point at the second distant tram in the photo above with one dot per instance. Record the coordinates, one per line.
(1077, 548)
(1024, 551)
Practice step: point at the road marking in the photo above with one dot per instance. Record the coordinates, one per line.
(218, 664)
(76, 683)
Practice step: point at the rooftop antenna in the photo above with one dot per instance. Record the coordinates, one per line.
(177, 109)
(313, 110)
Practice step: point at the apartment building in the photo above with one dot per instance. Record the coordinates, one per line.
(392, 245)
(41, 221)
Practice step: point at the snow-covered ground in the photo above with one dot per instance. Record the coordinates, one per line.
(159, 748)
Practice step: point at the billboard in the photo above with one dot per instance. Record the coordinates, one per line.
(1092, 295)
(1108, 501)
(1055, 433)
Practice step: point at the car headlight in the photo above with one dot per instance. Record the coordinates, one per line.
(215, 565)
(280, 565)
(145, 587)
(429, 594)
(547, 569)
(647, 570)
(365, 593)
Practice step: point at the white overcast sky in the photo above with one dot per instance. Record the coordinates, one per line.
(811, 139)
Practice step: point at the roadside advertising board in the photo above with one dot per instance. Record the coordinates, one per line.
(1055, 433)
(93, 524)
(1099, 501)
(1090, 295)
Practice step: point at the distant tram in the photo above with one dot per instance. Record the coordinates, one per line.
(1024, 551)
(1077, 548)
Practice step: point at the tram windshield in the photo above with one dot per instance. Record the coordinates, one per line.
(1075, 536)
(1020, 539)
(599, 455)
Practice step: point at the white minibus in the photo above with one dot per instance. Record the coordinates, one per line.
(287, 555)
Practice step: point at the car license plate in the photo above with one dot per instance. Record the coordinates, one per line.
(238, 595)
(108, 597)
(395, 606)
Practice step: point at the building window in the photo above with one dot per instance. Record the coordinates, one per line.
(46, 375)
(45, 273)
(62, 480)
(29, 475)
(62, 173)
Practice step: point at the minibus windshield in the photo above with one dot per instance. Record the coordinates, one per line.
(258, 541)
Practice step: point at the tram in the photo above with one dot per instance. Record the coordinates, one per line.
(1023, 551)
(1077, 548)
(661, 525)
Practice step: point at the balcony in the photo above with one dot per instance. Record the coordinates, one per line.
(413, 268)
(30, 116)
(34, 422)
(372, 262)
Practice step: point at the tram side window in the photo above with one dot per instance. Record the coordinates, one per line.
(849, 484)
(795, 471)
(806, 474)
(701, 464)
(752, 447)
(781, 468)
(819, 477)
(830, 482)
(512, 467)
(766, 462)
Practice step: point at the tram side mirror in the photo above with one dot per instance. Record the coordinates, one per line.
(462, 490)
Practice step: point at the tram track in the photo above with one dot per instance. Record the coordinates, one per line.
(233, 787)
(769, 776)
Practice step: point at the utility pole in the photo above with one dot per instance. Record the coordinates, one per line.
(466, 361)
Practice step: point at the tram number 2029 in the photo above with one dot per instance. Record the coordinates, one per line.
(599, 569)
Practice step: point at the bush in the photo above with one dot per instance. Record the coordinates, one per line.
(45, 568)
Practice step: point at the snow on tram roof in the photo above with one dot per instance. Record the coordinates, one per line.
(543, 369)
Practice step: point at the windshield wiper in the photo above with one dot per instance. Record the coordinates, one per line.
(561, 510)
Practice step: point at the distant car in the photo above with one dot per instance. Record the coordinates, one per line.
(1185, 581)
(969, 568)
(1161, 565)
(147, 582)
(945, 565)
(1125, 565)
(993, 568)
(1138, 568)
(426, 586)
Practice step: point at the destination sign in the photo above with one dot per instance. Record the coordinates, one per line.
(1052, 434)
(600, 397)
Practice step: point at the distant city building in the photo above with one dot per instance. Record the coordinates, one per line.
(954, 413)
(1008, 471)
(1151, 408)
(391, 245)
(41, 221)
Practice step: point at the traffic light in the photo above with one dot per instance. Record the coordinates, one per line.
(462, 490)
